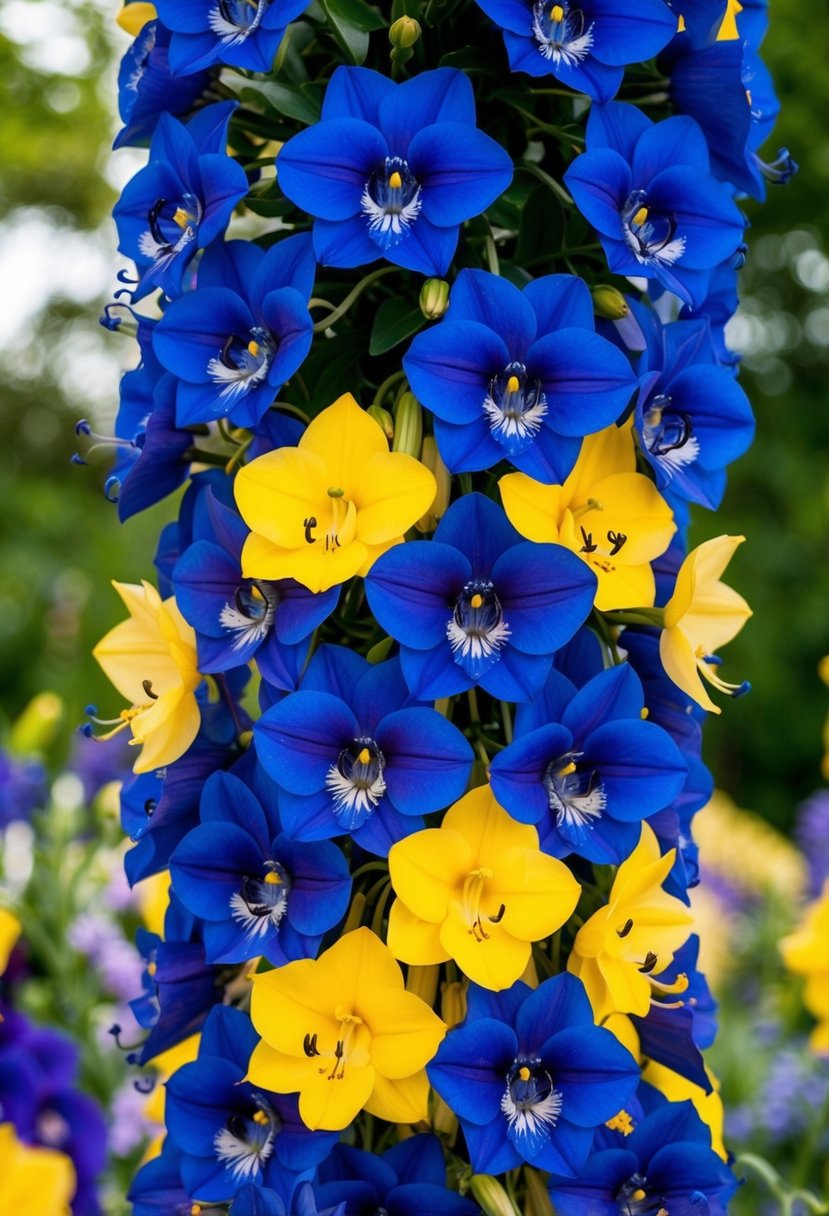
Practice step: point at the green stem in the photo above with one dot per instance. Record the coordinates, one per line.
(354, 295)
(385, 386)
(637, 616)
(550, 182)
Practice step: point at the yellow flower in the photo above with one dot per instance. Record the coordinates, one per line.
(806, 953)
(165, 1064)
(151, 660)
(611, 516)
(676, 1088)
(633, 936)
(9, 933)
(478, 890)
(35, 1181)
(343, 1032)
(700, 617)
(134, 16)
(326, 509)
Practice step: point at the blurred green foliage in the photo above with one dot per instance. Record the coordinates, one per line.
(60, 541)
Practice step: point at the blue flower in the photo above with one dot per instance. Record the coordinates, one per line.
(146, 87)
(181, 200)
(238, 619)
(530, 1076)
(157, 1189)
(702, 18)
(520, 375)
(409, 1179)
(259, 1201)
(351, 755)
(257, 891)
(666, 1164)
(230, 1133)
(584, 44)
(478, 604)
(153, 452)
(393, 170)
(241, 33)
(692, 418)
(585, 768)
(234, 341)
(647, 189)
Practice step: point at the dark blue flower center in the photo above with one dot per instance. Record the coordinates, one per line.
(477, 629)
(242, 362)
(515, 406)
(561, 33)
(575, 795)
(531, 1104)
(356, 782)
(246, 1141)
(251, 614)
(668, 434)
(172, 225)
(649, 232)
(634, 1199)
(391, 202)
(235, 20)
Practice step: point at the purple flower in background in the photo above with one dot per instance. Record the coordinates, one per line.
(22, 788)
(812, 836)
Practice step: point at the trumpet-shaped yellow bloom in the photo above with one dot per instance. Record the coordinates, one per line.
(9, 933)
(806, 953)
(344, 1033)
(35, 1181)
(478, 890)
(700, 617)
(151, 660)
(633, 936)
(613, 517)
(326, 509)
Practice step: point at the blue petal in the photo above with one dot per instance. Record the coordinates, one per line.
(223, 184)
(516, 773)
(600, 182)
(587, 380)
(613, 693)
(670, 143)
(450, 368)
(617, 125)
(640, 766)
(324, 168)
(557, 1004)
(706, 215)
(299, 739)
(231, 265)
(638, 31)
(546, 592)
(194, 329)
(356, 93)
(467, 448)
(320, 884)
(385, 827)
(412, 588)
(428, 248)
(517, 676)
(594, 1192)
(443, 95)
(380, 691)
(285, 312)
(428, 760)
(309, 817)
(478, 528)
(496, 303)
(469, 1068)
(288, 263)
(418, 1159)
(432, 674)
(560, 301)
(335, 669)
(489, 1147)
(594, 1073)
(461, 171)
(344, 243)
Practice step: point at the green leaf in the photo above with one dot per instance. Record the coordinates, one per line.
(395, 321)
(351, 23)
(301, 102)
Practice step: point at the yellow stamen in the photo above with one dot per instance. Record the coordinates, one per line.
(644, 712)
(476, 601)
(640, 217)
(620, 1123)
(151, 969)
(524, 1073)
(395, 181)
(513, 384)
(556, 13)
(196, 1209)
(261, 1118)
(638, 1194)
(335, 492)
(364, 756)
(567, 770)
(272, 878)
(181, 217)
(253, 348)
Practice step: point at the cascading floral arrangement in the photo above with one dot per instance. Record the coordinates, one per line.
(417, 698)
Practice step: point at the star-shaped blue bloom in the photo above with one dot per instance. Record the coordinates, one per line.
(665, 1164)
(648, 191)
(245, 329)
(238, 619)
(408, 1179)
(181, 200)
(230, 1133)
(351, 754)
(241, 33)
(517, 375)
(530, 1076)
(257, 891)
(478, 604)
(585, 768)
(583, 43)
(392, 170)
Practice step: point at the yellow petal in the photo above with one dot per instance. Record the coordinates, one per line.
(677, 657)
(626, 989)
(402, 1101)
(699, 574)
(133, 17)
(602, 454)
(131, 653)
(278, 492)
(392, 490)
(633, 506)
(327, 1104)
(344, 437)
(166, 736)
(405, 1032)
(36, 1181)
(487, 828)
(495, 962)
(361, 964)
(9, 933)
(414, 940)
(621, 586)
(277, 1071)
(427, 867)
(538, 894)
(312, 566)
(533, 509)
(293, 1001)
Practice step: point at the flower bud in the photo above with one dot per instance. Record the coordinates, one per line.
(434, 298)
(609, 302)
(408, 426)
(491, 1196)
(423, 982)
(453, 1003)
(537, 1202)
(430, 456)
(404, 33)
(35, 729)
(444, 1120)
(384, 420)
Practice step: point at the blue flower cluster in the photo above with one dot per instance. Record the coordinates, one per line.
(428, 673)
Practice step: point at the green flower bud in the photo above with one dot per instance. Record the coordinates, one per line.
(430, 456)
(434, 298)
(491, 1196)
(408, 426)
(36, 727)
(609, 302)
(404, 33)
(384, 420)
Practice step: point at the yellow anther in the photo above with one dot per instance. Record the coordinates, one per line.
(644, 712)
(253, 348)
(272, 878)
(640, 217)
(567, 770)
(556, 13)
(620, 1123)
(196, 1209)
(335, 492)
(524, 1073)
(639, 1194)
(181, 217)
(513, 384)
(364, 756)
(261, 1118)
(476, 601)
(151, 969)
(395, 181)
(343, 1014)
